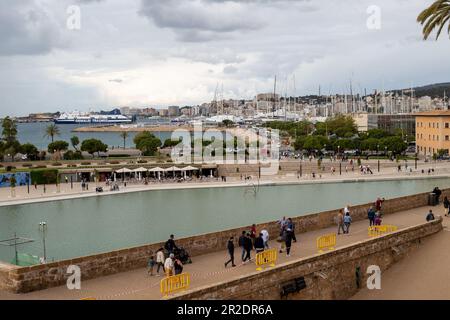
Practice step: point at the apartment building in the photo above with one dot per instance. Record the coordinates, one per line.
(432, 132)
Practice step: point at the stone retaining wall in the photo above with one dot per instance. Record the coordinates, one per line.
(332, 275)
(26, 279)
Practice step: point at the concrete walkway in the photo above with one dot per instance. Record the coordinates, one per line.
(209, 268)
(424, 274)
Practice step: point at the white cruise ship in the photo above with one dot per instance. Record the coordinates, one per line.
(78, 117)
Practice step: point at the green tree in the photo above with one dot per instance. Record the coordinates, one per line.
(51, 131)
(394, 144)
(168, 143)
(9, 132)
(30, 150)
(342, 126)
(299, 143)
(57, 146)
(314, 143)
(75, 141)
(92, 146)
(124, 135)
(370, 144)
(147, 143)
(436, 16)
(377, 133)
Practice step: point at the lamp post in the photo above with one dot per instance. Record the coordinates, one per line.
(378, 148)
(43, 229)
(415, 161)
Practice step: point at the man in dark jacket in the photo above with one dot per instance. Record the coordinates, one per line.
(230, 247)
(288, 241)
(259, 244)
(371, 216)
(170, 245)
(248, 246)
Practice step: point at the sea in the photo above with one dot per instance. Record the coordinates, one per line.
(34, 133)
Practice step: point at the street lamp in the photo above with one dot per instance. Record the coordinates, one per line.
(43, 229)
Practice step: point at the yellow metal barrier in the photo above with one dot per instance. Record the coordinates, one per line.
(89, 298)
(326, 242)
(375, 231)
(266, 257)
(174, 284)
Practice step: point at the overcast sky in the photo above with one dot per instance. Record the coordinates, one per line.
(176, 52)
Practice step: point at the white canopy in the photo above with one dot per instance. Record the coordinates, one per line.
(124, 170)
(189, 168)
(156, 169)
(172, 169)
(141, 169)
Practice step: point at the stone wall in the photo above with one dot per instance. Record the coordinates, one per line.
(26, 279)
(332, 275)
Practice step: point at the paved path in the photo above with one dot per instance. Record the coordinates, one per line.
(423, 275)
(209, 268)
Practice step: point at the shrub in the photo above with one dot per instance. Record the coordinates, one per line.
(41, 167)
(10, 168)
(44, 176)
(142, 161)
(114, 162)
(71, 155)
(85, 163)
(27, 165)
(57, 164)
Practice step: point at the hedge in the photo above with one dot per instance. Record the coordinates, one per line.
(44, 176)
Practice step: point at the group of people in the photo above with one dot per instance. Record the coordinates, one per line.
(374, 214)
(287, 235)
(344, 220)
(248, 241)
(170, 265)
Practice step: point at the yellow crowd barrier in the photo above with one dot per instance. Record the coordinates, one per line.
(266, 257)
(375, 231)
(174, 284)
(326, 242)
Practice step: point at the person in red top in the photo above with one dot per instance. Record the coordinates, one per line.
(378, 204)
(253, 233)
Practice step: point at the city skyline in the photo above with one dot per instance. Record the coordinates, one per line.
(147, 53)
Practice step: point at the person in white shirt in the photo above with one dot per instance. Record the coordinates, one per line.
(160, 260)
(168, 265)
(265, 236)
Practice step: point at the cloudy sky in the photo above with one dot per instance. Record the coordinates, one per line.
(158, 53)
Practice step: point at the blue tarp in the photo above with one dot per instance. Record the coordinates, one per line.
(22, 179)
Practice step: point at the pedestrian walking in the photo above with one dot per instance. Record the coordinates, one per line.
(169, 264)
(340, 222)
(288, 242)
(151, 265)
(230, 247)
(265, 236)
(291, 225)
(371, 216)
(248, 246)
(347, 222)
(159, 260)
(446, 206)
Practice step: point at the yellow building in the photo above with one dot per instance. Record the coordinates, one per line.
(432, 132)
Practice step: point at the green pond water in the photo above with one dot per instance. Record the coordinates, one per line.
(86, 226)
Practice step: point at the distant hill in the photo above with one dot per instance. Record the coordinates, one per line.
(433, 90)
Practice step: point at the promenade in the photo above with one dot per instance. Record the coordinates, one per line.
(209, 268)
(67, 191)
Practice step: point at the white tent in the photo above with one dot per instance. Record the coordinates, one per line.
(189, 168)
(156, 169)
(141, 169)
(124, 170)
(173, 169)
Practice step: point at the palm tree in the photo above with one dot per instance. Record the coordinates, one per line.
(124, 136)
(435, 16)
(51, 131)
